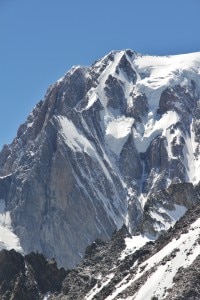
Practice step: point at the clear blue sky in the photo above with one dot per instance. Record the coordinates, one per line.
(41, 39)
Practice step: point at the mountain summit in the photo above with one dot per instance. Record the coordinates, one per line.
(107, 146)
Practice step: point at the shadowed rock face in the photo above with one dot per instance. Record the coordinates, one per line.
(114, 92)
(139, 108)
(29, 277)
(125, 66)
(92, 149)
(170, 100)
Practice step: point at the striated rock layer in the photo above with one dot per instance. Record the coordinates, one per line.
(95, 153)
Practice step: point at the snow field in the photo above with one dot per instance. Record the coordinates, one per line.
(180, 252)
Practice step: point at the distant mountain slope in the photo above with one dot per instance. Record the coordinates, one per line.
(98, 150)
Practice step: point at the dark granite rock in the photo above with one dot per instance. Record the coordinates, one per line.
(29, 277)
(126, 67)
(115, 94)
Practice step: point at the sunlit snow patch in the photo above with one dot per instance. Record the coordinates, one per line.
(135, 243)
(8, 240)
(46, 297)
(96, 289)
(117, 132)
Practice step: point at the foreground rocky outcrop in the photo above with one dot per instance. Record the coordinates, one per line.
(95, 153)
(27, 278)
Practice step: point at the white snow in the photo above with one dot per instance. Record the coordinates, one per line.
(144, 133)
(46, 297)
(117, 132)
(92, 96)
(74, 139)
(8, 239)
(162, 278)
(1, 177)
(109, 70)
(117, 128)
(77, 141)
(165, 71)
(154, 74)
(185, 250)
(191, 162)
(134, 243)
(97, 289)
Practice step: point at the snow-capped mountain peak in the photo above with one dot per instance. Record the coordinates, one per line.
(104, 148)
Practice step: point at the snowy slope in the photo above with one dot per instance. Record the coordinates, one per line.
(178, 253)
(167, 268)
(155, 276)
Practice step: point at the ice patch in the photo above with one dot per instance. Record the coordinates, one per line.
(117, 133)
(79, 143)
(8, 240)
(134, 243)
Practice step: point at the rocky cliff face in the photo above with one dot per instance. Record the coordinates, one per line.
(95, 153)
